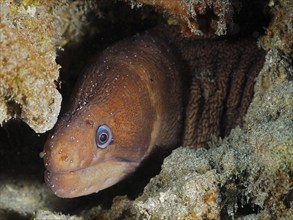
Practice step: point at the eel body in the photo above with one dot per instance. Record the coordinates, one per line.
(138, 96)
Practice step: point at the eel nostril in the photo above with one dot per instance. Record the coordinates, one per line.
(64, 158)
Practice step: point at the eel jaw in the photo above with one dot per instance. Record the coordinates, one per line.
(89, 179)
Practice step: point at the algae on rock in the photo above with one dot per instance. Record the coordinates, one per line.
(30, 34)
(188, 12)
(280, 31)
(27, 66)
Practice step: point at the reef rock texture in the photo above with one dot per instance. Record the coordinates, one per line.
(43, 214)
(218, 13)
(28, 68)
(280, 32)
(30, 34)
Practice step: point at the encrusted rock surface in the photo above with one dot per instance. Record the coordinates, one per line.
(30, 34)
(28, 68)
(279, 34)
(188, 12)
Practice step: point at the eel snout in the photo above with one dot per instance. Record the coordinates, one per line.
(76, 165)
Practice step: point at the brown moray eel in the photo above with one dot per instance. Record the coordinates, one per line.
(138, 96)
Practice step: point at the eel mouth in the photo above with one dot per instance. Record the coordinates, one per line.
(87, 180)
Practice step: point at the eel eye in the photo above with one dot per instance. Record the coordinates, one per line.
(103, 136)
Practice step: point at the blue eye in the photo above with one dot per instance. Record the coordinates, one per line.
(103, 136)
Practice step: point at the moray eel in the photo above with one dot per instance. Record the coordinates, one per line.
(138, 96)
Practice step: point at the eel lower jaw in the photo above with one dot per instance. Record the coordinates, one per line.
(88, 180)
